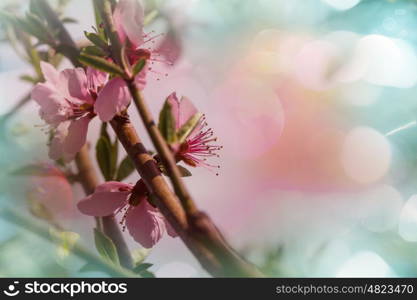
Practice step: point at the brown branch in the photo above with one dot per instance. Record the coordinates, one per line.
(88, 176)
(66, 44)
(194, 227)
(197, 231)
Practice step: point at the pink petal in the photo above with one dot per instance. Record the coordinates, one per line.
(102, 204)
(170, 230)
(50, 74)
(182, 110)
(77, 135)
(128, 17)
(145, 224)
(56, 148)
(117, 19)
(170, 47)
(112, 99)
(73, 84)
(96, 78)
(53, 106)
(113, 186)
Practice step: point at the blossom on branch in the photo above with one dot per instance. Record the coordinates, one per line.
(143, 221)
(68, 101)
(184, 128)
(128, 17)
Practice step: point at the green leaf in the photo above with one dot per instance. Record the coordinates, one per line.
(8, 17)
(23, 25)
(103, 131)
(29, 78)
(106, 247)
(35, 9)
(65, 240)
(68, 20)
(96, 40)
(101, 64)
(34, 25)
(188, 127)
(138, 66)
(94, 51)
(89, 267)
(139, 255)
(147, 274)
(104, 157)
(184, 171)
(115, 154)
(150, 17)
(166, 124)
(107, 153)
(98, 18)
(126, 168)
(142, 267)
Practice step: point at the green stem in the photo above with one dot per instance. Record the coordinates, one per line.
(19, 220)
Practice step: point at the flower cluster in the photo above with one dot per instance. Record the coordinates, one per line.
(71, 98)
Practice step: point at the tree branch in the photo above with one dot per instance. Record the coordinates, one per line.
(88, 176)
(196, 230)
(102, 265)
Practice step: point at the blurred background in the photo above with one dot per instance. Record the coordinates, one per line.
(314, 102)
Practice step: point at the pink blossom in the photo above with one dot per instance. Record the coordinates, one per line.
(48, 183)
(128, 17)
(198, 144)
(143, 221)
(68, 101)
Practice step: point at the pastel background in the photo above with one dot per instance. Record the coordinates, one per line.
(314, 102)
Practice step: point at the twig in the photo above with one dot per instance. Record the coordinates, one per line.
(101, 264)
(87, 174)
(197, 230)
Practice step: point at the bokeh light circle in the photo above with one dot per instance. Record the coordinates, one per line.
(366, 155)
(407, 227)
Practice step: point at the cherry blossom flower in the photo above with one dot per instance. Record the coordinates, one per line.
(46, 184)
(197, 144)
(143, 221)
(128, 17)
(68, 101)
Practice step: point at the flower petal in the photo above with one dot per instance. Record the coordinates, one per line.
(113, 98)
(96, 78)
(128, 17)
(50, 74)
(170, 47)
(145, 224)
(73, 84)
(182, 110)
(56, 147)
(102, 204)
(53, 106)
(170, 230)
(77, 135)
